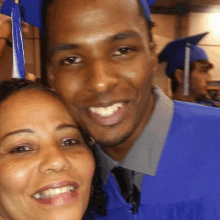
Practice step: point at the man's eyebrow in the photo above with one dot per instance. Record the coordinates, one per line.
(117, 37)
(125, 35)
(62, 47)
(25, 130)
(205, 66)
(64, 125)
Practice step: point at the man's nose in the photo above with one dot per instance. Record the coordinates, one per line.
(209, 77)
(102, 76)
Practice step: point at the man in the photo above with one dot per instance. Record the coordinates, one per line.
(199, 72)
(102, 62)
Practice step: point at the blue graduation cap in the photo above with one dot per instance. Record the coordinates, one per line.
(174, 52)
(146, 4)
(21, 10)
(31, 10)
(180, 53)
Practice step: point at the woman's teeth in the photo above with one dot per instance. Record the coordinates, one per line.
(107, 111)
(53, 192)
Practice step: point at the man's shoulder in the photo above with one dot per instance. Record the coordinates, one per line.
(195, 121)
(187, 109)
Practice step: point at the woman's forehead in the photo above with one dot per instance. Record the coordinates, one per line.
(34, 103)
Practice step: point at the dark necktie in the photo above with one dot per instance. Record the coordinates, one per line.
(129, 190)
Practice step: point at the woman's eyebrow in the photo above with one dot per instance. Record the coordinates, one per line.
(24, 130)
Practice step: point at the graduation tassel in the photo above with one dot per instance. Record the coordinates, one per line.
(18, 48)
(186, 81)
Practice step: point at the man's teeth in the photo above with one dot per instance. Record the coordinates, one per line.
(105, 112)
(52, 192)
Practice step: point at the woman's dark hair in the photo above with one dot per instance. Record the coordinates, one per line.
(98, 198)
(9, 87)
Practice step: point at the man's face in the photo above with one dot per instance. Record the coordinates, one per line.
(101, 64)
(200, 77)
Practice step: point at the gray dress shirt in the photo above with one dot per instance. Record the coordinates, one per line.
(144, 156)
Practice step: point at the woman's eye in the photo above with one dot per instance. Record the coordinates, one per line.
(123, 51)
(68, 142)
(20, 149)
(72, 60)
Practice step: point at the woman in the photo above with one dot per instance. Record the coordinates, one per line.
(46, 169)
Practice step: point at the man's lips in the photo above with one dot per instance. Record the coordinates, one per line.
(108, 115)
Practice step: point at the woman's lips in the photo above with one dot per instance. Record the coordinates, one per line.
(57, 194)
(59, 200)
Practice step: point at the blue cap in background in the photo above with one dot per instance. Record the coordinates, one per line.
(174, 53)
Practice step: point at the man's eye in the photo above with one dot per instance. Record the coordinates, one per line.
(68, 142)
(72, 60)
(123, 51)
(20, 149)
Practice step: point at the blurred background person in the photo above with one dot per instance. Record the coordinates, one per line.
(199, 70)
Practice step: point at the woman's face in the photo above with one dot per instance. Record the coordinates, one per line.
(46, 169)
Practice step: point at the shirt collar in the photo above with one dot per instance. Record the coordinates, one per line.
(145, 154)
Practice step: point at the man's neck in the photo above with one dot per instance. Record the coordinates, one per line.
(178, 95)
(119, 152)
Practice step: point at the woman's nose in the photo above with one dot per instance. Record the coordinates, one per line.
(53, 160)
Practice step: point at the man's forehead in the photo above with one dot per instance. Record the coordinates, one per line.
(131, 6)
(81, 19)
(203, 64)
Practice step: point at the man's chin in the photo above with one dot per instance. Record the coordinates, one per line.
(109, 141)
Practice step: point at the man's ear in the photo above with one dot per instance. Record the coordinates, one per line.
(154, 60)
(179, 76)
(50, 77)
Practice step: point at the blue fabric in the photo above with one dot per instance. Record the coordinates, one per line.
(31, 9)
(187, 182)
(196, 53)
(18, 49)
(146, 4)
(207, 103)
(174, 53)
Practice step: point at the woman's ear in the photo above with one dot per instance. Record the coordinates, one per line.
(179, 76)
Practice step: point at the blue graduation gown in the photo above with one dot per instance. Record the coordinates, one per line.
(187, 182)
